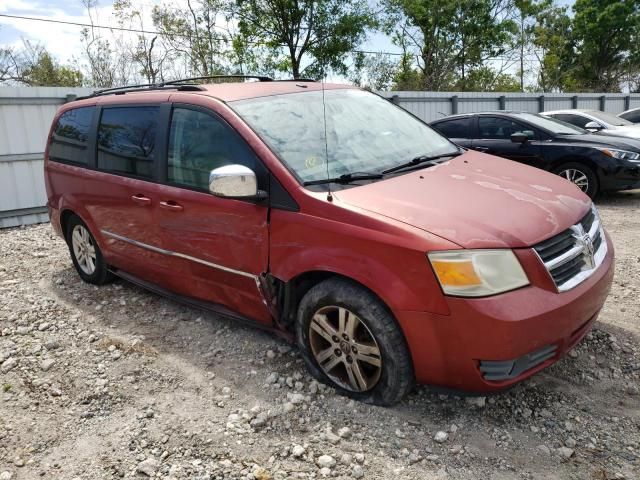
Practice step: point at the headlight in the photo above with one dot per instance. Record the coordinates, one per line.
(621, 154)
(477, 273)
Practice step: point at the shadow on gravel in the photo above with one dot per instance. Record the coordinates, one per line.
(619, 199)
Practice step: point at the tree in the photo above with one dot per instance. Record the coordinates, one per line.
(450, 38)
(33, 65)
(195, 34)
(374, 71)
(554, 49)
(147, 51)
(605, 35)
(315, 35)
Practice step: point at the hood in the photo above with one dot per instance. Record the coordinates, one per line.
(604, 138)
(632, 131)
(477, 201)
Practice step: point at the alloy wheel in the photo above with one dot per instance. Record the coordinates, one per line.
(345, 349)
(576, 177)
(84, 249)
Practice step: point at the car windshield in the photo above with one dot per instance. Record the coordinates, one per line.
(609, 118)
(364, 132)
(552, 124)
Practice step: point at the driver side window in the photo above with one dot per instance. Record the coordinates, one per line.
(200, 142)
(498, 128)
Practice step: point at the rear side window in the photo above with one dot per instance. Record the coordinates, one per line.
(198, 143)
(576, 120)
(70, 137)
(127, 140)
(457, 128)
(632, 116)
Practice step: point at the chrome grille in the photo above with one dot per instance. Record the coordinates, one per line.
(574, 254)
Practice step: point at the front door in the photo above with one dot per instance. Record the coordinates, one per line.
(494, 137)
(218, 246)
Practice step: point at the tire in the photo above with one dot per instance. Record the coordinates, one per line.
(368, 327)
(574, 171)
(85, 253)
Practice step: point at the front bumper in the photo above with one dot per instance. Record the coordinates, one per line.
(491, 343)
(623, 176)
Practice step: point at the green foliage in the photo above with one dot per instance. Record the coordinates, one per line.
(450, 38)
(44, 70)
(306, 38)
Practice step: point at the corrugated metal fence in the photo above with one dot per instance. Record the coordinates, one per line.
(26, 114)
(430, 106)
(25, 119)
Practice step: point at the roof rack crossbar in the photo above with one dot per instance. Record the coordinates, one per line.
(139, 88)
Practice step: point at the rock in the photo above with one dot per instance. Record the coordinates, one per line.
(272, 378)
(43, 326)
(357, 471)
(331, 437)
(8, 364)
(346, 459)
(271, 354)
(325, 471)
(297, 451)
(359, 457)
(148, 467)
(296, 398)
(261, 474)
(400, 434)
(325, 461)
(544, 449)
(479, 402)
(18, 462)
(441, 437)
(6, 475)
(47, 364)
(570, 442)
(565, 452)
(344, 432)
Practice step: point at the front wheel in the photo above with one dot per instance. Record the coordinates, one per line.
(350, 340)
(581, 176)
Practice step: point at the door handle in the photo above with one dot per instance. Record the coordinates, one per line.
(171, 205)
(141, 199)
(481, 149)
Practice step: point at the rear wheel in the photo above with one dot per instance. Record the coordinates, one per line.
(349, 340)
(581, 176)
(85, 253)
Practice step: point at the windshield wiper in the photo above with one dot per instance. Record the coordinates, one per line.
(345, 178)
(420, 160)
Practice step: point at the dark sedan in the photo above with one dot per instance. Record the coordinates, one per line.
(593, 162)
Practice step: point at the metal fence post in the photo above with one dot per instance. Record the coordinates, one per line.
(395, 100)
(574, 101)
(541, 103)
(603, 102)
(454, 104)
(627, 102)
(502, 100)
(70, 97)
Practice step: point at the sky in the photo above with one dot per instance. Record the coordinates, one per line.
(63, 41)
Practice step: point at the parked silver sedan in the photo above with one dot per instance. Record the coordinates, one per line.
(595, 121)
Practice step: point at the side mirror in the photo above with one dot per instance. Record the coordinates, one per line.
(233, 181)
(519, 137)
(593, 127)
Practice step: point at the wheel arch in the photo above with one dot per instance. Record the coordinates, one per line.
(556, 164)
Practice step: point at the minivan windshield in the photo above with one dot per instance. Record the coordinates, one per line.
(364, 132)
(552, 124)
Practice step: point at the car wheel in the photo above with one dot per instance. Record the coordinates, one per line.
(581, 176)
(350, 340)
(85, 253)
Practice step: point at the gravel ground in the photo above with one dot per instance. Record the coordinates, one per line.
(116, 382)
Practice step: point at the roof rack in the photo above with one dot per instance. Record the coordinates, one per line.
(183, 84)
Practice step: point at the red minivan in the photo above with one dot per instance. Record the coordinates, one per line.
(337, 219)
